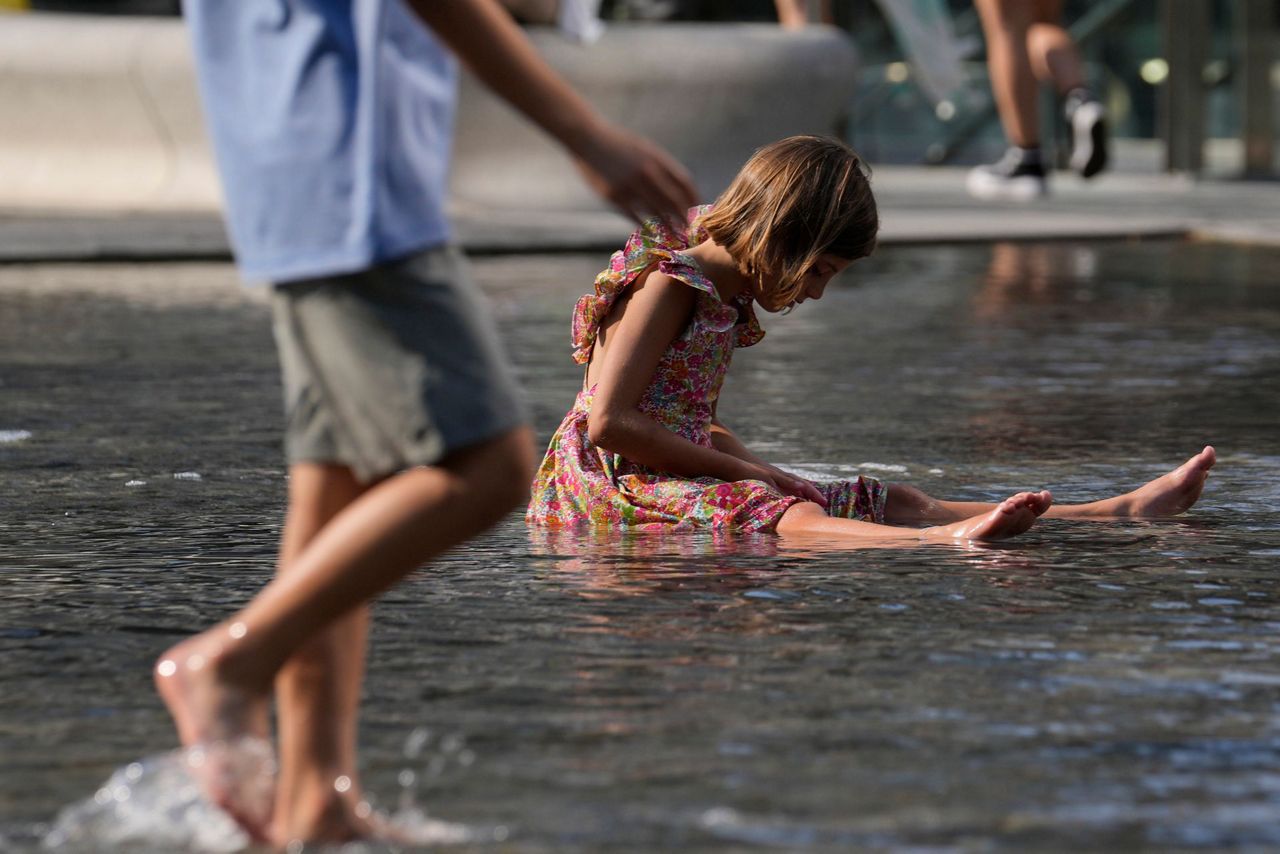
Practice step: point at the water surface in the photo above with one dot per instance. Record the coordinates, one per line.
(1084, 687)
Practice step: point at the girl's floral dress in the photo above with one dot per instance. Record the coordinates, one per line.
(580, 484)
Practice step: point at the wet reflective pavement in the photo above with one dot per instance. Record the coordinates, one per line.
(1086, 686)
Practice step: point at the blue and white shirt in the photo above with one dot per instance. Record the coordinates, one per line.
(332, 122)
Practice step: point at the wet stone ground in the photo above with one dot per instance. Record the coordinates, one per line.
(1085, 687)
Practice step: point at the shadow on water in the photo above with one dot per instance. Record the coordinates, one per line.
(1085, 686)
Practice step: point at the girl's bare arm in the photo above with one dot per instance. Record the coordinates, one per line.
(657, 310)
(726, 440)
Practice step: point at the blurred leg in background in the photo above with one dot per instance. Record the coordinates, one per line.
(1027, 46)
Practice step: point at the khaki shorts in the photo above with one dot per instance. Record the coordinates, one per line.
(392, 367)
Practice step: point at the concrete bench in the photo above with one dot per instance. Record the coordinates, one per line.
(710, 93)
(101, 114)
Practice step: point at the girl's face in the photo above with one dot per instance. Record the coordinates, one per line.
(816, 279)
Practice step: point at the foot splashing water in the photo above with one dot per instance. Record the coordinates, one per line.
(156, 805)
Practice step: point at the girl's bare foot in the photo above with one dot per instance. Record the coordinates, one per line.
(1165, 496)
(1010, 518)
(1172, 493)
(222, 725)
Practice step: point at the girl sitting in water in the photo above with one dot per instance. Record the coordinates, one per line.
(642, 446)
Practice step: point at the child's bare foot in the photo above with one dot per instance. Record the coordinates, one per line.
(1167, 495)
(326, 819)
(223, 726)
(1010, 518)
(330, 813)
(1174, 492)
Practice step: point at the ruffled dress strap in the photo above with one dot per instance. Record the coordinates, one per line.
(749, 331)
(657, 243)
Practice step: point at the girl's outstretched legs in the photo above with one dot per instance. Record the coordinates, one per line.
(996, 522)
(216, 684)
(1165, 496)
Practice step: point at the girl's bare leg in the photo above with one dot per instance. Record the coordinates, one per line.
(998, 521)
(1165, 496)
(216, 683)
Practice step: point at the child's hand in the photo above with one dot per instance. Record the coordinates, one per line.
(799, 487)
(787, 484)
(637, 176)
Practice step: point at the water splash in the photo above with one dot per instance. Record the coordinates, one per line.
(11, 436)
(156, 805)
(894, 468)
(410, 822)
(150, 805)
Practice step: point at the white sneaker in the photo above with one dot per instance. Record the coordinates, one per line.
(1008, 178)
(1088, 138)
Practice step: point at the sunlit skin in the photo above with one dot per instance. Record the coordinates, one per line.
(654, 311)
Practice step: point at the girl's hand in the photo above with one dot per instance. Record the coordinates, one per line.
(787, 484)
(799, 487)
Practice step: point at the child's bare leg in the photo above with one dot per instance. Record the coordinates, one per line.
(318, 689)
(317, 696)
(1006, 519)
(1165, 496)
(209, 681)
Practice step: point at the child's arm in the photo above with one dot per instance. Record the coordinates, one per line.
(628, 170)
(657, 310)
(727, 441)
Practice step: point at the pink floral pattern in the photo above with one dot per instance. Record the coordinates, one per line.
(580, 484)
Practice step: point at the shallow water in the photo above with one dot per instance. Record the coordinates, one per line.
(1083, 687)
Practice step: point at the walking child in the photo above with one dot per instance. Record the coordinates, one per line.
(405, 435)
(642, 446)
